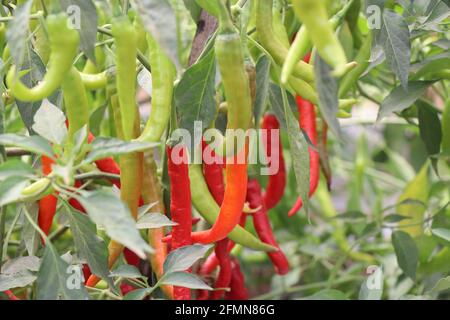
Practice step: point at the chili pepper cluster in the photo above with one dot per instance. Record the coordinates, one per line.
(225, 196)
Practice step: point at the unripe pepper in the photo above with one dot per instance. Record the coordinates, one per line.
(64, 47)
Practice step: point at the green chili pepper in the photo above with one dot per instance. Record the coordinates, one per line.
(302, 43)
(278, 51)
(126, 51)
(64, 46)
(313, 13)
(76, 103)
(208, 208)
(163, 76)
(362, 59)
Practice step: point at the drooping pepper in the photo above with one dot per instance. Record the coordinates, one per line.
(238, 290)
(263, 228)
(180, 207)
(64, 47)
(277, 181)
(47, 205)
(163, 76)
(313, 13)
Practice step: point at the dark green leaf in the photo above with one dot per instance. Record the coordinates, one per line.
(59, 280)
(15, 168)
(194, 96)
(183, 258)
(17, 32)
(442, 233)
(127, 271)
(16, 280)
(399, 99)
(83, 17)
(430, 128)
(327, 89)
(11, 189)
(33, 144)
(108, 211)
(406, 252)
(138, 294)
(184, 279)
(396, 44)
(153, 221)
(262, 86)
(108, 147)
(89, 246)
(327, 294)
(393, 218)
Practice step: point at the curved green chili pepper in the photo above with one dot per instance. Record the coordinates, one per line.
(163, 76)
(266, 34)
(362, 60)
(313, 13)
(64, 46)
(126, 51)
(208, 208)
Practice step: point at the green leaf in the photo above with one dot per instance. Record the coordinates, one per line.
(154, 221)
(89, 246)
(16, 280)
(15, 168)
(393, 218)
(11, 190)
(396, 43)
(28, 263)
(33, 144)
(406, 252)
(95, 120)
(351, 215)
(442, 285)
(416, 192)
(50, 123)
(107, 210)
(431, 64)
(194, 96)
(183, 258)
(17, 32)
(430, 129)
(109, 147)
(184, 279)
(138, 294)
(327, 89)
(399, 99)
(262, 86)
(442, 233)
(37, 69)
(127, 271)
(299, 150)
(59, 280)
(83, 15)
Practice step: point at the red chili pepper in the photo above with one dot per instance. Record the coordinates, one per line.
(263, 228)
(47, 205)
(224, 277)
(180, 208)
(277, 182)
(238, 290)
(307, 121)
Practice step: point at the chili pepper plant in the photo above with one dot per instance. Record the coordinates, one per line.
(224, 149)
